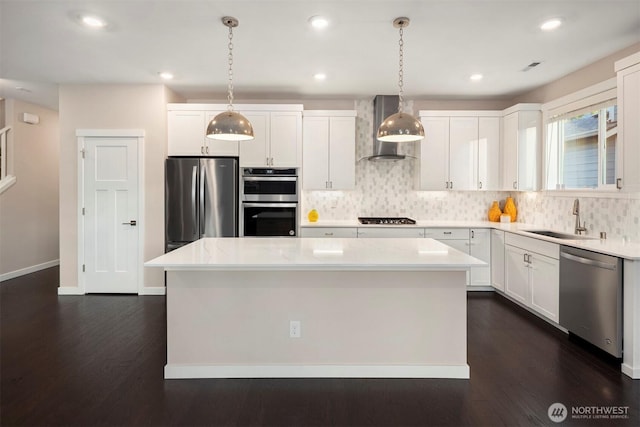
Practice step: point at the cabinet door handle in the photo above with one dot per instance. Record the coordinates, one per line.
(267, 161)
(451, 187)
(202, 149)
(207, 150)
(446, 232)
(328, 234)
(524, 258)
(515, 185)
(446, 184)
(480, 185)
(472, 234)
(619, 183)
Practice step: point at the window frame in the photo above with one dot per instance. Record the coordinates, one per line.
(574, 102)
(7, 178)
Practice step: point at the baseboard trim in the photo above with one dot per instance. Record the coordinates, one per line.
(153, 290)
(175, 371)
(630, 371)
(70, 290)
(29, 270)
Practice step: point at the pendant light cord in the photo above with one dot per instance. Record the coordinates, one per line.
(230, 59)
(401, 73)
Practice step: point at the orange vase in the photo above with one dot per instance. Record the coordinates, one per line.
(510, 209)
(494, 212)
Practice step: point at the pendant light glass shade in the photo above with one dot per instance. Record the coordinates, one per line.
(400, 127)
(230, 125)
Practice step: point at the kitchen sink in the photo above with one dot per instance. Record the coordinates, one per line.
(558, 235)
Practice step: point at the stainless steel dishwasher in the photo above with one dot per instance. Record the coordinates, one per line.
(591, 297)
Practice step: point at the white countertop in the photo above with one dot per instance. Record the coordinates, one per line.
(300, 254)
(614, 247)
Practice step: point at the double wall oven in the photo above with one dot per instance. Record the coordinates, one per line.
(269, 202)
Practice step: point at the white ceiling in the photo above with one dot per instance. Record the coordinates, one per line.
(277, 52)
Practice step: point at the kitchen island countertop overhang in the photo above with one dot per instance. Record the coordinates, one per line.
(384, 308)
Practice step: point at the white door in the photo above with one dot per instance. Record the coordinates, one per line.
(254, 152)
(516, 274)
(111, 230)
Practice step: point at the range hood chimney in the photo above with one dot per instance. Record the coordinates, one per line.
(383, 107)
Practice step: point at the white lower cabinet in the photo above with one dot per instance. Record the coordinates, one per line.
(390, 232)
(545, 285)
(532, 274)
(480, 247)
(328, 232)
(497, 259)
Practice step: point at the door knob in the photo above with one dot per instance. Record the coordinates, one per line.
(132, 223)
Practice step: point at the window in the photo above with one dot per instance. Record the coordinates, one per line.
(581, 148)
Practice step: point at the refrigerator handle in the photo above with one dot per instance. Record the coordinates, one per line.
(203, 178)
(194, 183)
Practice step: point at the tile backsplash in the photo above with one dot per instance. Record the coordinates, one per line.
(387, 189)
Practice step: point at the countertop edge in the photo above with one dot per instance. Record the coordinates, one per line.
(614, 247)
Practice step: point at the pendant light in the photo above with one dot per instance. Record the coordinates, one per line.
(400, 127)
(230, 125)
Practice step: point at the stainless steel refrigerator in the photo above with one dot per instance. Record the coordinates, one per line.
(201, 199)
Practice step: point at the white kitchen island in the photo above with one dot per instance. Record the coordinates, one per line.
(365, 307)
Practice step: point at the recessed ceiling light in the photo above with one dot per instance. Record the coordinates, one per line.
(320, 76)
(93, 21)
(476, 77)
(551, 24)
(165, 75)
(319, 22)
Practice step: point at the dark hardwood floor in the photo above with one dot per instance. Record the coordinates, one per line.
(98, 360)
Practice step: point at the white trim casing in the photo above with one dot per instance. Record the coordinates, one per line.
(315, 371)
(153, 290)
(28, 270)
(631, 319)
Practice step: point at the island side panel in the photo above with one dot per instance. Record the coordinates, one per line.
(349, 319)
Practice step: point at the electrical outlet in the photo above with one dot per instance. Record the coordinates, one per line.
(294, 329)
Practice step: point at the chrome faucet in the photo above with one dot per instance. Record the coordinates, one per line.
(576, 211)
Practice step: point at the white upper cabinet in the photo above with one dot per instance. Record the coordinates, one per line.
(433, 154)
(286, 139)
(329, 147)
(279, 143)
(628, 70)
(463, 153)
(255, 152)
(460, 150)
(277, 129)
(489, 165)
(215, 147)
(521, 147)
(186, 133)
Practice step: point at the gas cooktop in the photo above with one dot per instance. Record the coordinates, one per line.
(386, 220)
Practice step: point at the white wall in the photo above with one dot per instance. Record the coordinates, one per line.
(29, 209)
(113, 107)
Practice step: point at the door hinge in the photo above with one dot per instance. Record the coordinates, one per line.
(82, 152)
(83, 268)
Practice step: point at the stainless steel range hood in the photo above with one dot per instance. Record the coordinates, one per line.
(383, 107)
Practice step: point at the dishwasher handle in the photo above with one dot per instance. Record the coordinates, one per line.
(588, 261)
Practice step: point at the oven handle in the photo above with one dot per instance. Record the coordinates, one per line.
(269, 178)
(269, 205)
